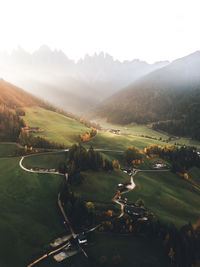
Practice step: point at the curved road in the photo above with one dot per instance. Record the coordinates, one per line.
(32, 171)
(129, 187)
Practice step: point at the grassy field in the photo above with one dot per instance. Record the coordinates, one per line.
(194, 174)
(100, 187)
(105, 140)
(168, 196)
(147, 165)
(133, 251)
(47, 161)
(65, 131)
(132, 135)
(7, 149)
(57, 127)
(30, 218)
(186, 142)
(134, 130)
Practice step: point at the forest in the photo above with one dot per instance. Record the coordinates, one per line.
(182, 158)
(80, 159)
(10, 124)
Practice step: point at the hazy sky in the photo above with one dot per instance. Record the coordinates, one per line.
(151, 30)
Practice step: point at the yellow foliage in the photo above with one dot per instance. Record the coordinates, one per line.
(110, 213)
(130, 228)
(171, 254)
(116, 164)
(196, 225)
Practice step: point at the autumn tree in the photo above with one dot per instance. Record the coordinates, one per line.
(130, 154)
(116, 164)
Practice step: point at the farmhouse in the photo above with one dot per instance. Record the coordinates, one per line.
(158, 165)
(32, 129)
(118, 132)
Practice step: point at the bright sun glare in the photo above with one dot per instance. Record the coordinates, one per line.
(127, 29)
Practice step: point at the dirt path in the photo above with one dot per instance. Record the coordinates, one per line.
(129, 187)
(32, 171)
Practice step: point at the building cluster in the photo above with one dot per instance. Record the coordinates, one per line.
(32, 129)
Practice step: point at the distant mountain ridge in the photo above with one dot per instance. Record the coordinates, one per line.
(170, 93)
(81, 85)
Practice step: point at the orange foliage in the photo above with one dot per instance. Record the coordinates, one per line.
(110, 213)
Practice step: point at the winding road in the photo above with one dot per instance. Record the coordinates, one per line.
(129, 187)
(32, 171)
(115, 199)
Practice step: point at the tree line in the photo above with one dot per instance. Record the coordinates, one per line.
(182, 158)
(10, 124)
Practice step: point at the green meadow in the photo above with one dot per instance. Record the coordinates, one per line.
(171, 198)
(100, 187)
(47, 161)
(56, 127)
(194, 174)
(6, 150)
(110, 141)
(30, 217)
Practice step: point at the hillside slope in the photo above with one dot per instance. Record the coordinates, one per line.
(12, 96)
(170, 93)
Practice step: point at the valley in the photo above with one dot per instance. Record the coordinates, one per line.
(178, 201)
(62, 175)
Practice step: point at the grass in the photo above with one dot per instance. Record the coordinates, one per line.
(100, 187)
(47, 161)
(105, 140)
(30, 218)
(147, 165)
(7, 149)
(110, 155)
(57, 127)
(132, 135)
(63, 130)
(194, 174)
(186, 141)
(168, 196)
(135, 130)
(133, 251)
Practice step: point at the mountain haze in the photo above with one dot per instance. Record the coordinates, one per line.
(170, 93)
(73, 86)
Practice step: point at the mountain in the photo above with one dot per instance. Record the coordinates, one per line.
(73, 86)
(170, 93)
(14, 97)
